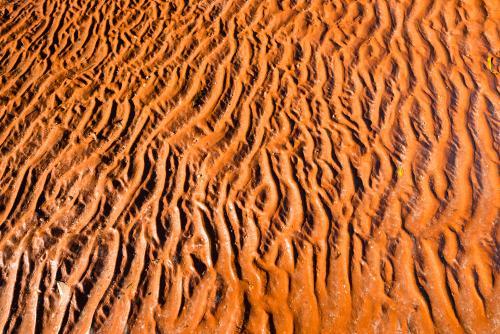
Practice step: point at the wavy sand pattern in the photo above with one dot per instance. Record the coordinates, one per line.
(223, 166)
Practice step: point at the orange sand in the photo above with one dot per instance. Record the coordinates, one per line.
(224, 166)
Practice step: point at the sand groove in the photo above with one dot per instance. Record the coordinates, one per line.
(249, 166)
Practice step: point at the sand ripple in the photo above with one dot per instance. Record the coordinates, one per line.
(254, 166)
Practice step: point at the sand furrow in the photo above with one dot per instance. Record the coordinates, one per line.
(230, 166)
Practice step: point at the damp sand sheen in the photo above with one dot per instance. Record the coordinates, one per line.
(249, 166)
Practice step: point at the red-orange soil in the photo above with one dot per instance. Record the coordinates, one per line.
(254, 166)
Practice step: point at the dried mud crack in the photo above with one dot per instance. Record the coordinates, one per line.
(225, 166)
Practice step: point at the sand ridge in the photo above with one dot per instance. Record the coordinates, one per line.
(254, 166)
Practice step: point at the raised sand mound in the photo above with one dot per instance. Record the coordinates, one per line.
(225, 166)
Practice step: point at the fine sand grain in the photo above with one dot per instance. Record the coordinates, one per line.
(224, 166)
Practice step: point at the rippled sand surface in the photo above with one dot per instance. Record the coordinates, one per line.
(254, 166)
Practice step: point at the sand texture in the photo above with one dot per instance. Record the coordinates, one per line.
(249, 166)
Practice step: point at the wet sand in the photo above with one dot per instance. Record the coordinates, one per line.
(250, 166)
